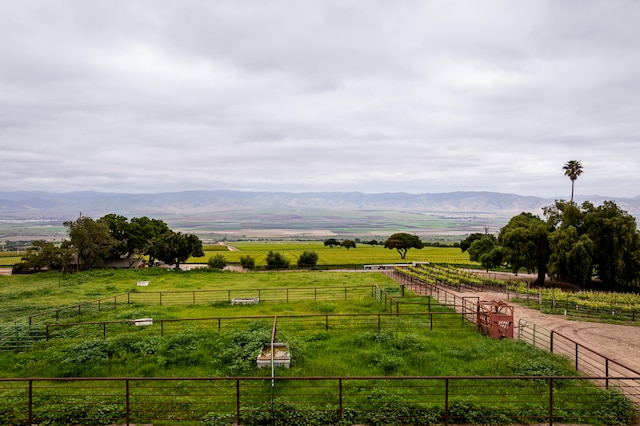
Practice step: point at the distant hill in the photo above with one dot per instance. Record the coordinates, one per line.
(335, 212)
(69, 204)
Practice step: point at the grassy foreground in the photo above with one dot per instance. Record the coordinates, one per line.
(402, 347)
(399, 346)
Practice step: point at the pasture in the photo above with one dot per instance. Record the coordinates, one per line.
(345, 346)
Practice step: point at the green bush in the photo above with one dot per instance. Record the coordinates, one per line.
(217, 262)
(308, 259)
(247, 262)
(276, 260)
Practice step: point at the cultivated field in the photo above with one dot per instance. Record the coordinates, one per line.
(336, 256)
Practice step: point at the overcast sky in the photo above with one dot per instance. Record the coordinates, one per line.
(294, 95)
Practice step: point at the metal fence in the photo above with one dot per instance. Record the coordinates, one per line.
(314, 401)
(560, 306)
(22, 333)
(334, 323)
(466, 305)
(584, 359)
(200, 297)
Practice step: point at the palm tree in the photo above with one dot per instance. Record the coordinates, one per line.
(573, 169)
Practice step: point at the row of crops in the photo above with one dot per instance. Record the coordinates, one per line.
(585, 304)
(446, 275)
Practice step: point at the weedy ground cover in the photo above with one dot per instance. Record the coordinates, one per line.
(390, 351)
(401, 346)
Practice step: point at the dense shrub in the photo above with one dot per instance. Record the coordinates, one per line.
(247, 262)
(217, 262)
(276, 260)
(308, 259)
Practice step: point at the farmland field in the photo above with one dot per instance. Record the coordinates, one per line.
(328, 256)
(334, 345)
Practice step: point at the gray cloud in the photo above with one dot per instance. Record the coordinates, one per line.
(372, 96)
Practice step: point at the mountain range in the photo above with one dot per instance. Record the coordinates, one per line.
(40, 204)
(337, 212)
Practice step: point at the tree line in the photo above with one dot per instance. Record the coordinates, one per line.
(93, 243)
(575, 244)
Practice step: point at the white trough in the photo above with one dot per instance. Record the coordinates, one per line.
(143, 283)
(281, 356)
(142, 321)
(245, 300)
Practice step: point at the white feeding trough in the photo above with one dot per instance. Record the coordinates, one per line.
(142, 321)
(281, 356)
(245, 300)
(143, 283)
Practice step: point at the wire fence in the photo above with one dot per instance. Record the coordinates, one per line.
(203, 297)
(569, 309)
(314, 401)
(312, 323)
(22, 333)
(584, 359)
(323, 400)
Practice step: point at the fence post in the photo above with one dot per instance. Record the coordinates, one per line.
(534, 335)
(551, 342)
(446, 401)
(237, 401)
(160, 298)
(606, 372)
(30, 402)
(576, 356)
(340, 399)
(127, 407)
(104, 330)
(551, 402)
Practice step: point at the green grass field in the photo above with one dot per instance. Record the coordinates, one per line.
(43, 291)
(349, 346)
(8, 259)
(327, 256)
